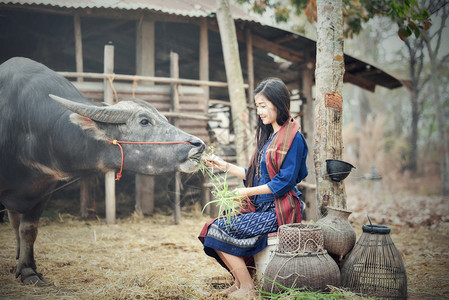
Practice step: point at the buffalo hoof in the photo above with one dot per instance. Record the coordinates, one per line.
(29, 276)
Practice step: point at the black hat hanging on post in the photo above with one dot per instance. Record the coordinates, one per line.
(338, 170)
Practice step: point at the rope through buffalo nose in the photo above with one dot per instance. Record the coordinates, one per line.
(118, 143)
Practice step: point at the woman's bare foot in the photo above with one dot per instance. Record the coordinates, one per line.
(244, 293)
(227, 291)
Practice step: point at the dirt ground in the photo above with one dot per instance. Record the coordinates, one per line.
(150, 258)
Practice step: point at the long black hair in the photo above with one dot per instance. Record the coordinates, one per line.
(278, 94)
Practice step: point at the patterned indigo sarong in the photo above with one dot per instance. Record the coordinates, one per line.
(245, 235)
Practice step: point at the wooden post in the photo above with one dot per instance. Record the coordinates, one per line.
(109, 98)
(175, 107)
(144, 190)
(204, 60)
(145, 47)
(78, 46)
(84, 183)
(204, 75)
(307, 130)
(251, 82)
(250, 65)
(144, 184)
(84, 198)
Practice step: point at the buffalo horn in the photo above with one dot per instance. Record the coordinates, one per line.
(109, 114)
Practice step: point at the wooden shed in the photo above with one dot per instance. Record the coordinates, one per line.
(166, 47)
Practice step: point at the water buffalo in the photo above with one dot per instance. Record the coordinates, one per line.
(46, 139)
(2, 212)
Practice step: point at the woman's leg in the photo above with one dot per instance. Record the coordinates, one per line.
(240, 271)
(236, 285)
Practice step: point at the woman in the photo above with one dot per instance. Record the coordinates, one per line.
(277, 165)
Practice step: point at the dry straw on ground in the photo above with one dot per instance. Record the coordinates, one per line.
(150, 258)
(138, 258)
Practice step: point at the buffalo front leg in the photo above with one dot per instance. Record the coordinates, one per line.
(26, 268)
(14, 219)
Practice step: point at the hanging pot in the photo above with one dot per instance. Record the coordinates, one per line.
(338, 169)
(339, 236)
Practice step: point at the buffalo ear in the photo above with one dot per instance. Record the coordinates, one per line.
(89, 126)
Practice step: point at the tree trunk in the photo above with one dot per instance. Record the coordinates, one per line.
(443, 136)
(329, 102)
(435, 66)
(235, 80)
(412, 165)
(416, 60)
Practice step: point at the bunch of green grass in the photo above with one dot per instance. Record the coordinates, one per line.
(304, 294)
(228, 201)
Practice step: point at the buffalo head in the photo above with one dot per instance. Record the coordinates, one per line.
(136, 121)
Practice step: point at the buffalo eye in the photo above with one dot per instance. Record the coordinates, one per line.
(145, 122)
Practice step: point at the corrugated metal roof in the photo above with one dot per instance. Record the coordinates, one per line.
(190, 8)
(204, 8)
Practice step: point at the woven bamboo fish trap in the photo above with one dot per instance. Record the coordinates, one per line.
(374, 267)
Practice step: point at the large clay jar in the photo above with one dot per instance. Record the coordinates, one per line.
(312, 271)
(339, 236)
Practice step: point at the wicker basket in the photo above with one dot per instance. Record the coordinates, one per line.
(300, 238)
(310, 271)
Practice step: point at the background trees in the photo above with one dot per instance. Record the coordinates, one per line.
(401, 37)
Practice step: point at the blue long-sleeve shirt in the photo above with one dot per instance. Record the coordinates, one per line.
(293, 171)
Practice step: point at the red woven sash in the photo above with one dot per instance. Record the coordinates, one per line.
(288, 208)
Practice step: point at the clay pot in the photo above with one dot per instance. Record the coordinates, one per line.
(313, 271)
(339, 236)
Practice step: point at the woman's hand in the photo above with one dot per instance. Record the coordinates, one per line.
(242, 192)
(214, 161)
(255, 190)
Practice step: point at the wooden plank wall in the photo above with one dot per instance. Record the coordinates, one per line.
(191, 101)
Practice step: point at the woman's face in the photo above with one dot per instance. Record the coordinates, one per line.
(265, 109)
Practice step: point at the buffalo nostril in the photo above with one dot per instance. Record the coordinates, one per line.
(198, 144)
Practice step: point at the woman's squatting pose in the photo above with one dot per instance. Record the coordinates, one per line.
(277, 165)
